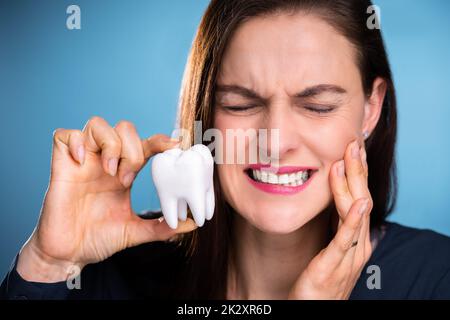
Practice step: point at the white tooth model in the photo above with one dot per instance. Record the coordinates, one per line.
(185, 178)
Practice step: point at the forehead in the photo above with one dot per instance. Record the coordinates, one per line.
(291, 51)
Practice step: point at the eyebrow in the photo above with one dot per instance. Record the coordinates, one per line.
(319, 89)
(306, 93)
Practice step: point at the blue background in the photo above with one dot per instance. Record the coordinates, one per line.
(127, 63)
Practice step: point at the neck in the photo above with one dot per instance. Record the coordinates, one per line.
(266, 266)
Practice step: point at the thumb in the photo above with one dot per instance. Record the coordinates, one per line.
(143, 231)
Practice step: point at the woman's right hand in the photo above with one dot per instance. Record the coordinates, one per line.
(87, 215)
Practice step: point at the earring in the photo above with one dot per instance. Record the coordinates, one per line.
(365, 135)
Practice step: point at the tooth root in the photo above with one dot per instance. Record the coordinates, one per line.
(210, 204)
(197, 204)
(169, 209)
(182, 209)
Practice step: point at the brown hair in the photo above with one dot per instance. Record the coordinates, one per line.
(209, 246)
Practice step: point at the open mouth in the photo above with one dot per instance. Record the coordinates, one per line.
(292, 179)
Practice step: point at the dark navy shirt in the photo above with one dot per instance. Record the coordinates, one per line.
(407, 263)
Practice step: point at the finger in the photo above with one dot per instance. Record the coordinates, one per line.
(157, 144)
(363, 191)
(132, 153)
(143, 231)
(342, 242)
(341, 193)
(71, 139)
(368, 249)
(355, 253)
(363, 251)
(356, 177)
(357, 257)
(364, 160)
(365, 247)
(101, 137)
(366, 232)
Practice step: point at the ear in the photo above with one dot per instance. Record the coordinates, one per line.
(374, 105)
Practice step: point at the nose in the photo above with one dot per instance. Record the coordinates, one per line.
(280, 118)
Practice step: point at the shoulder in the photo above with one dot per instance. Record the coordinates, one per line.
(421, 247)
(412, 264)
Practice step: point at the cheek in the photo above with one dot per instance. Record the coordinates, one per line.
(225, 174)
(230, 172)
(236, 134)
(330, 141)
(233, 186)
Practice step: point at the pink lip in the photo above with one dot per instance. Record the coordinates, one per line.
(280, 170)
(279, 189)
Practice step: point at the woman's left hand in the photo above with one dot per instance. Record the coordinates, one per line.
(333, 273)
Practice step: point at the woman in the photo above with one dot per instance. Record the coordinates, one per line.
(314, 71)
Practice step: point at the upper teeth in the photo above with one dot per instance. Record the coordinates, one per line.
(286, 179)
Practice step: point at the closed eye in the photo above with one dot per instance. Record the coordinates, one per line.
(239, 108)
(319, 109)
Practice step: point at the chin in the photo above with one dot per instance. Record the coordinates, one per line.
(277, 220)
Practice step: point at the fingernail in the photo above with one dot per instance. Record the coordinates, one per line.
(128, 179)
(355, 150)
(341, 168)
(80, 154)
(363, 207)
(112, 166)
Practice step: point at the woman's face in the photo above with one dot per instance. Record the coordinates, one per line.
(306, 84)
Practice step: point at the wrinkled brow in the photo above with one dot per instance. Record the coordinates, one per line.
(306, 93)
